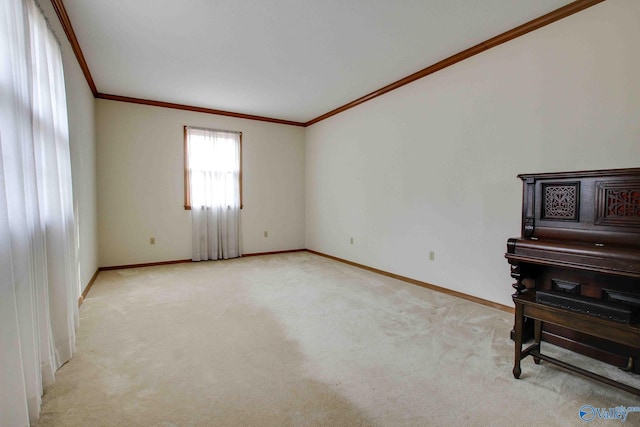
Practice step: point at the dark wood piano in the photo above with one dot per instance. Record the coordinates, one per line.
(577, 269)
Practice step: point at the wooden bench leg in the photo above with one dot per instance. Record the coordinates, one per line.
(537, 335)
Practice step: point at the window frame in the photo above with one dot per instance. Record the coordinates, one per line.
(187, 184)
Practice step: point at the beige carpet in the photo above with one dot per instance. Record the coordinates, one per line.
(300, 340)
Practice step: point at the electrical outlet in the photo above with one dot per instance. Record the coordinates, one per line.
(432, 256)
(152, 240)
(266, 234)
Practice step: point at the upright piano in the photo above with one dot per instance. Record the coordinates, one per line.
(577, 269)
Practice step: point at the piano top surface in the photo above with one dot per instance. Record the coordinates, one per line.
(606, 173)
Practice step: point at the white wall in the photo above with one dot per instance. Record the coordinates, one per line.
(433, 165)
(82, 139)
(141, 187)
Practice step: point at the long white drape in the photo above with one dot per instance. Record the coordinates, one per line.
(39, 284)
(214, 168)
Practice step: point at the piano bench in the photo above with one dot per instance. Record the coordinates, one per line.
(526, 306)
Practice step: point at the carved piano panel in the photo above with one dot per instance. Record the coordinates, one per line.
(580, 239)
(597, 207)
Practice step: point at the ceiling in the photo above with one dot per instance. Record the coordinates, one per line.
(286, 59)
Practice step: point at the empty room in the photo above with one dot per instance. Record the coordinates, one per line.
(301, 213)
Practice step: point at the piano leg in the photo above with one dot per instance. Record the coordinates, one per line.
(516, 273)
(518, 340)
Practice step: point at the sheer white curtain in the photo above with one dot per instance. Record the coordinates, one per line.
(214, 177)
(39, 284)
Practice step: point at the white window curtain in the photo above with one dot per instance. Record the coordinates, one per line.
(214, 177)
(39, 284)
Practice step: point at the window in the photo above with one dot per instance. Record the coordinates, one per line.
(212, 168)
(39, 285)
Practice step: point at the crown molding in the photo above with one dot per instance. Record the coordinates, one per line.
(195, 109)
(521, 30)
(58, 6)
(63, 17)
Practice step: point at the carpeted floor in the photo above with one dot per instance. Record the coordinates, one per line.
(301, 340)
